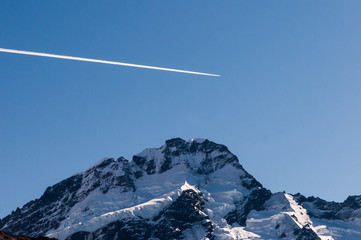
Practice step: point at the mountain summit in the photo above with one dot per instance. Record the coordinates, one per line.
(193, 189)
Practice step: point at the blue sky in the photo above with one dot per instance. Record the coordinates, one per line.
(287, 104)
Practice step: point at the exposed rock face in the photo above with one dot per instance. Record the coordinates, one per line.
(193, 189)
(5, 236)
(39, 215)
(319, 208)
(306, 233)
(255, 201)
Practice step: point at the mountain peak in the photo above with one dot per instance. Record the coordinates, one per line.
(199, 155)
(174, 142)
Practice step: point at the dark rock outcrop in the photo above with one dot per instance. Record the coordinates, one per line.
(306, 233)
(319, 208)
(6, 236)
(254, 201)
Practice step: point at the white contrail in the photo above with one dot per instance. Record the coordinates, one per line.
(101, 61)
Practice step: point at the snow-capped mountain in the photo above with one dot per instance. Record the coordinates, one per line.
(193, 189)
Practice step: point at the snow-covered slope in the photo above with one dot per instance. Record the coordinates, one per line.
(341, 220)
(193, 189)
